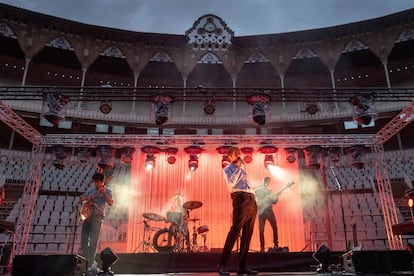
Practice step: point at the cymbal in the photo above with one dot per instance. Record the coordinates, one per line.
(192, 205)
(152, 216)
(194, 219)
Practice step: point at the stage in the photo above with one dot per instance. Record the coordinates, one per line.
(271, 263)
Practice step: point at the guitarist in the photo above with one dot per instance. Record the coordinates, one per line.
(265, 211)
(98, 196)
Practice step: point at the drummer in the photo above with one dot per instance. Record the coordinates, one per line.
(177, 207)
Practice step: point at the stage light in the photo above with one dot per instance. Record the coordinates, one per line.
(291, 154)
(108, 258)
(126, 155)
(150, 158)
(105, 107)
(268, 160)
(170, 152)
(247, 154)
(149, 162)
(364, 110)
(311, 108)
(357, 154)
(268, 150)
(322, 256)
(312, 156)
(161, 105)
(61, 153)
(84, 154)
(171, 159)
(209, 108)
(334, 154)
(54, 107)
(193, 151)
(259, 103)
(193, 162)
(106, 157)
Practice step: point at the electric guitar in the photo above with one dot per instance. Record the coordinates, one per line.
(268, 200)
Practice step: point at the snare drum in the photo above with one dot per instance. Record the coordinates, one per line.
(202, 229)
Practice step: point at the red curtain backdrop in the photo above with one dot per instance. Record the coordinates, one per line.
(153, 192)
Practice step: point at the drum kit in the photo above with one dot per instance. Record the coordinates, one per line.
(175, 238)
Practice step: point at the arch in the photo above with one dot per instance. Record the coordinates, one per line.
(113, 51)
(354, 45)
(161, 56)
(405, 35)
(305, 52)
(257, 57)
(61, 43)
(5, 30)
(210, 58)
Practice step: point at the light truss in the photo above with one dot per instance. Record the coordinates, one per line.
(405, 117)
(144, 94)
(206, 141)
(13, 120)
(40, 142)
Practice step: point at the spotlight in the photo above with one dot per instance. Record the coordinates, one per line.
(357, 154)
(334, 154)
(322, 256)
(56, 107)
(171, 159)
(409, 195)
(209, 108)
(107, 157)
(61, 153)
(193, 162)
(84, 154)
(363, 108)
(126, 155)
(268, 160)
(161, 104)
(311, 108)
(312, 154)
(105, 107)
(108, 258)
(149, 162)
(268, 150)
(170, 152)
(291, 158)
(259, 104)
(150, 159)
(247, 155)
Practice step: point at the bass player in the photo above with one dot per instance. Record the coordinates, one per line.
(265, 200)
(93, 201)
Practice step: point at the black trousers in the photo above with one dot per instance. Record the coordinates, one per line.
(244, 215)
(270, 216)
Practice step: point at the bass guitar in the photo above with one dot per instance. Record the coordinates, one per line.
(268, 200)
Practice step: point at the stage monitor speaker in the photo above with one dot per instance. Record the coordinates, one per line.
(49, 265)
(377, 261)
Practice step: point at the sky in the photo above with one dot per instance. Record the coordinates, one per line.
(244, 17)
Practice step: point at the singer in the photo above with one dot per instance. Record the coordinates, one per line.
(244, 213)
(97, 196)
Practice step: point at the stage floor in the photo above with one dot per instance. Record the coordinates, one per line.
(205, 264)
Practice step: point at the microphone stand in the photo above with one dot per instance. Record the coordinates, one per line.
(339, 186)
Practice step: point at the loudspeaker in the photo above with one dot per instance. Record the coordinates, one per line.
(377, 261)
(49, 265)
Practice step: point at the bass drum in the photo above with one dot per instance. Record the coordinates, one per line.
(164, 240)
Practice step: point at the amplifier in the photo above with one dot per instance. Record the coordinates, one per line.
(49, 265)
